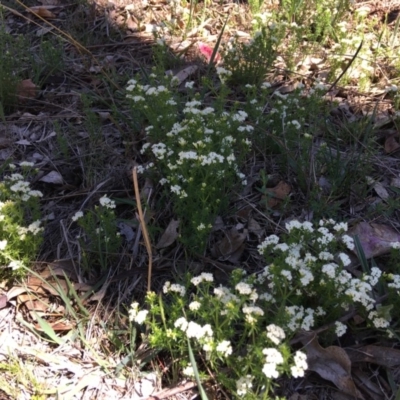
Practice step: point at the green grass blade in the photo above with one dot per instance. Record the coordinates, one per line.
(48, 330)
(361, 254)
(216, 47)
(203, 394)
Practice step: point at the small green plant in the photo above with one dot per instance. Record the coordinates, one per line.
(17, 378)
(47, 60)
(242, 331)
(13, 52)
(195, 150)
(100, 240)
(249, 62)
(20, 222)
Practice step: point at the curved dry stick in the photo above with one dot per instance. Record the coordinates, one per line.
(143, 227)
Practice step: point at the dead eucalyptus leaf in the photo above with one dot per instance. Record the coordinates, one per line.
(184, 73)
(277, 194)
(26, 90)
(391, 145)
(331, 363)
(254, 227)
(218, 224)
(376, 239)
(170, 235)
(43, 11)
(126, 230)
(385, 356)
(395, 182)
(365, 384)
(53, 177)
(231, 247)
(381, 191)
(15, 291)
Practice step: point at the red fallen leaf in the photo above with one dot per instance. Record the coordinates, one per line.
(26, 89)
(207, 51)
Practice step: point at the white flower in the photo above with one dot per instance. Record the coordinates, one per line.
(107, 202)
(243, 288)
(188, 371)
(330, 269)
(340, 328)
(34, 227)
(201, 227)
(181, 323)
(26, 164)
(300, 364)
(269, 240)
(225, 348)
(15, 177)
(275, 333)
(396, 281)
(175, 287)
(325, 255)
(20, 186)
(3, 244)
(252, 310)
(240, 116)
(282, 247)
(194, 305)
(194, 330)
(136, 315)
(348, 241)
(295, 123)
(342, 226)
(374, 276)
(203, 277)
(270, 371)
(345, 259)
(243, 384)
(224, 294)
(293, 225)
(296, 371)
(35, 193)
(378, 321)
(300, 359)
(14, 265)
(287, 274)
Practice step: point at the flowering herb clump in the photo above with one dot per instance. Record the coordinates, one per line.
(100, 240)
(194, 148)
(20, 221)
(243, 329)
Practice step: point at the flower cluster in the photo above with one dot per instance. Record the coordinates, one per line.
(305, 285)
(100, 233)
(194, 149)
(210, 317)
(20, 235)
(311, 264)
